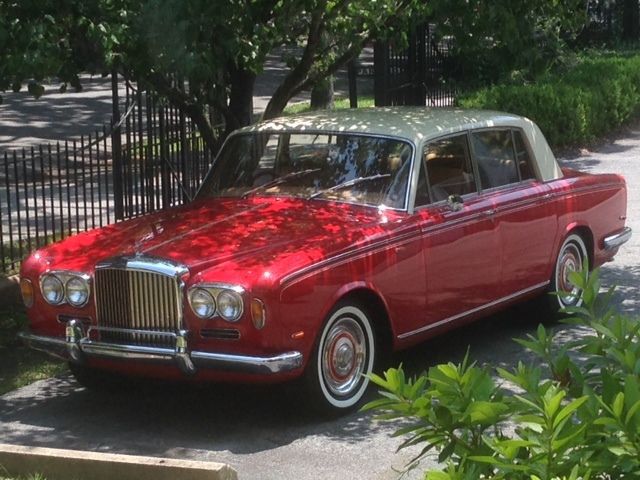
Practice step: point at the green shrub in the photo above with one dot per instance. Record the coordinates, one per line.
(591, 99)
(577, 417)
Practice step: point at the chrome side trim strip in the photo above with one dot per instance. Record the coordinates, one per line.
(614, 241)
(472, 311)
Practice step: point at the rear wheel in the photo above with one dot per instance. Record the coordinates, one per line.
(344, 355)
(571, 258)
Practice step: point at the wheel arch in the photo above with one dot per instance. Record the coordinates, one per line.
(377, 308)
(586, 235)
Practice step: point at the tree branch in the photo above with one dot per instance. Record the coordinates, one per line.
(188, 105)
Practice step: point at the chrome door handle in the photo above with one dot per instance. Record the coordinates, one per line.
(489, 213)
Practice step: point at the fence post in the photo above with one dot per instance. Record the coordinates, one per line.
(352, 74)
(381, 73)
(116, 150)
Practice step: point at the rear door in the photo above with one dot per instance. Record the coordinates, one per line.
(524, 215)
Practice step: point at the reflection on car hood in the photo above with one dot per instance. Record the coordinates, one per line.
(285, 233)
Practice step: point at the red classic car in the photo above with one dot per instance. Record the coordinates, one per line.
(317, 241)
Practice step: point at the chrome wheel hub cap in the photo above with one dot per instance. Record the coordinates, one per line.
(570, 261)
(343, 356)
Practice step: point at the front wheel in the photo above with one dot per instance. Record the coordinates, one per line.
(344, 356)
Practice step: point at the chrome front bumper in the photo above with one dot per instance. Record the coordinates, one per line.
(77, 347)
(614, 241)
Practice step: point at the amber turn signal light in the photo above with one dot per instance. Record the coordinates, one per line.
(258, 313)
(26, 289)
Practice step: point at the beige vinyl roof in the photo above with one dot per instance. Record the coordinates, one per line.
(415, 124)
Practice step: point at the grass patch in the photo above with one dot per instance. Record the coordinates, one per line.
(21, 366)
(11, 263)
(340, 103)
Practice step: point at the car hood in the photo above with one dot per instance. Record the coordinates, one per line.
(239, 237)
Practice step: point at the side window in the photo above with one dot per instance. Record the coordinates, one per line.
(449, 168)
(522, 154)
(494, 154)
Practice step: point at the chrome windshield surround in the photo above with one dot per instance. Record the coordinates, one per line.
(411, 182)
(144, 263)
(64, 276)
(616, 240)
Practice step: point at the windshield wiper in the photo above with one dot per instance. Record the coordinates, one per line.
(349, 183)
(279, 180)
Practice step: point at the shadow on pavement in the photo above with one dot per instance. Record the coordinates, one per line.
(171, 419)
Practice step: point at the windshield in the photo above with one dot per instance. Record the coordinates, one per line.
(343, 167)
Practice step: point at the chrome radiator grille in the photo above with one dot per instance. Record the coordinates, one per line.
(137, 300)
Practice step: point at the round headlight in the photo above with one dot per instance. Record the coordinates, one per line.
(77, 290)
(52, 289)
(202, 303)
(229, 305)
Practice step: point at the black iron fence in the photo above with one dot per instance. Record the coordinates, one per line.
(161, 157)
(52, 191)
(149, 158)
(420, 74)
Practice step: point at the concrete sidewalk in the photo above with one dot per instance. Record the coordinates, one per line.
(26, 121)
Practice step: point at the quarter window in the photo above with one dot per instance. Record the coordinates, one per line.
(449, 167)
(495, 156)
(522, 154)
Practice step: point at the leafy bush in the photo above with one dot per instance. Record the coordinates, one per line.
(576, 418)
(591, 99)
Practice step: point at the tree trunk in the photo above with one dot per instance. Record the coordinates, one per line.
(322, 94)
(240, 98)
(631, 21)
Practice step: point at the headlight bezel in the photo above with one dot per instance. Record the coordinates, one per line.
(215, 290)
(87, 290)
(198, 290)
(63, 277)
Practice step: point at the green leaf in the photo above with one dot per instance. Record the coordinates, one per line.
(618, 405)
(446, 452)
(486, 413)
(443, 415)
(569, 409)
(632, 412)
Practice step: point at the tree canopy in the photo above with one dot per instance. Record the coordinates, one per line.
(199, 54)
(204, 55)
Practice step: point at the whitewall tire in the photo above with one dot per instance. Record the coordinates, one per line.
(571, 257)
(344, 355)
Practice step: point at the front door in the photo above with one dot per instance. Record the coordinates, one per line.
(459, 238)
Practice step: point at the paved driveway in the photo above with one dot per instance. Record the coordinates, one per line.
(267, 434)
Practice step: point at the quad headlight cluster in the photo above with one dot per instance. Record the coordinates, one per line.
(226, 301)
(65, 287)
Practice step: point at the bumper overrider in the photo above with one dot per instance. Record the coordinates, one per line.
(616, 240)
(77, 346)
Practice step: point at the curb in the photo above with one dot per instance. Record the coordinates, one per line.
(57, 464)
(10, 291)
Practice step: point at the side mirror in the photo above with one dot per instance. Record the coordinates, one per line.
(455, 202)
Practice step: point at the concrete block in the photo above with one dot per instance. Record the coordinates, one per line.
(57, 464)
(10, 291)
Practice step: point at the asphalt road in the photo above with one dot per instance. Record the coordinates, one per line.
(265, 433)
